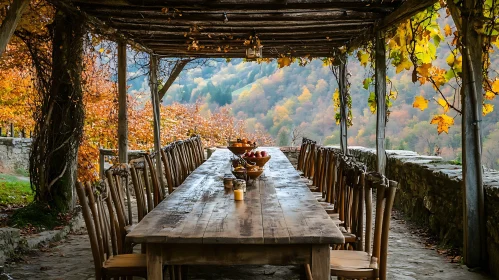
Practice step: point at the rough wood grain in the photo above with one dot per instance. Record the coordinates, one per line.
(122, 101)
(380, 90)
(277, 209)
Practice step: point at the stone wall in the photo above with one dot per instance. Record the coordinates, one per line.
(14, 153)
(9, 240)
(430, 193)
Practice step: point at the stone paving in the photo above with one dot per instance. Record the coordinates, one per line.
(409, 258)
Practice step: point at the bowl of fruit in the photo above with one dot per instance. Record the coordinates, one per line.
(260, 158)
(247, 172)
(241, 146)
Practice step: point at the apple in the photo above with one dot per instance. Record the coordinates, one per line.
(258, 154)
(252, 154)
(263, 153)
(247, 154)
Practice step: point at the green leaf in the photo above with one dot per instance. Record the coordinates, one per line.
(371, 101)
(449, 74)
(367, 82)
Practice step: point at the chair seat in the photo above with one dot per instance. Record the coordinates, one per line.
(126, 264)
(352, 264)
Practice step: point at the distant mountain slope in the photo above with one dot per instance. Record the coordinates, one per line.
(300, 98)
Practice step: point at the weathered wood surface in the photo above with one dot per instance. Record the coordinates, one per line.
(277, 209)
(380, 90)
(122, 102)
(475, 240)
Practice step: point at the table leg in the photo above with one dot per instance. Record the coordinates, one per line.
(320, 262)
(154, 262)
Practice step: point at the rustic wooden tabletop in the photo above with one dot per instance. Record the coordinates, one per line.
(278, 208)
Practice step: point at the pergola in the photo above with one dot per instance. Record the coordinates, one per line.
(291, 28)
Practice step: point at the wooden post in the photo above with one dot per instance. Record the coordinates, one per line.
(101, 165)
(11, 21)
(12, 130)
(380, 90)
(153, 79)
(471, 96)
(122, 101)
(343, 85)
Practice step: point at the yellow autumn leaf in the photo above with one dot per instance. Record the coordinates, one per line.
(393, 94)
(451, 59)
(420, 102)
(489, 95)
(495, 86)
(447, 30)
(443, 123)
(363, 58)
(101, 50)
(283, 62)
(424, 70)
(406, 64)
(444, 104)
(487, 108)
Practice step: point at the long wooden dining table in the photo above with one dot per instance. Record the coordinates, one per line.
(279, 222)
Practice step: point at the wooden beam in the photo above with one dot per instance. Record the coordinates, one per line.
(179, 66)
(475, 249)
(343, 88)
(408, 9)
(106, 14)
(245, 29)
(122, 102)
(380, 91)
(246, 5)
(9, 24)
(153, 85)
(260, 23)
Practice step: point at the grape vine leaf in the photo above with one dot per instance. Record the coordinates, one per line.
(444, 104)
(443, 123)
(420, 102)
(487, 108)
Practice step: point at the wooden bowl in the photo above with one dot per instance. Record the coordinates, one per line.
(251, 174)
(240, 150)
(258, 161)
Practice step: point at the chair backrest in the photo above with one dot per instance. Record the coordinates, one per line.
(168, 168)
(385, 196)
(316, 176)
(117, 179)
(142, 187)
(301, 155)
(101, 225)
(156, 187)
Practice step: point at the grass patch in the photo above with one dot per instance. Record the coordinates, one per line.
(37, 215)
(14, 191)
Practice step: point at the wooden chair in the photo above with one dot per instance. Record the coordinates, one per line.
(317, 163)
(301, 155)
(353, 219)
(115, 176)
(168, 168)
(109, 262)
(142, 186)
(363, 264)
(199, 145)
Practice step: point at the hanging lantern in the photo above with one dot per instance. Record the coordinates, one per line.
(254, 49)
